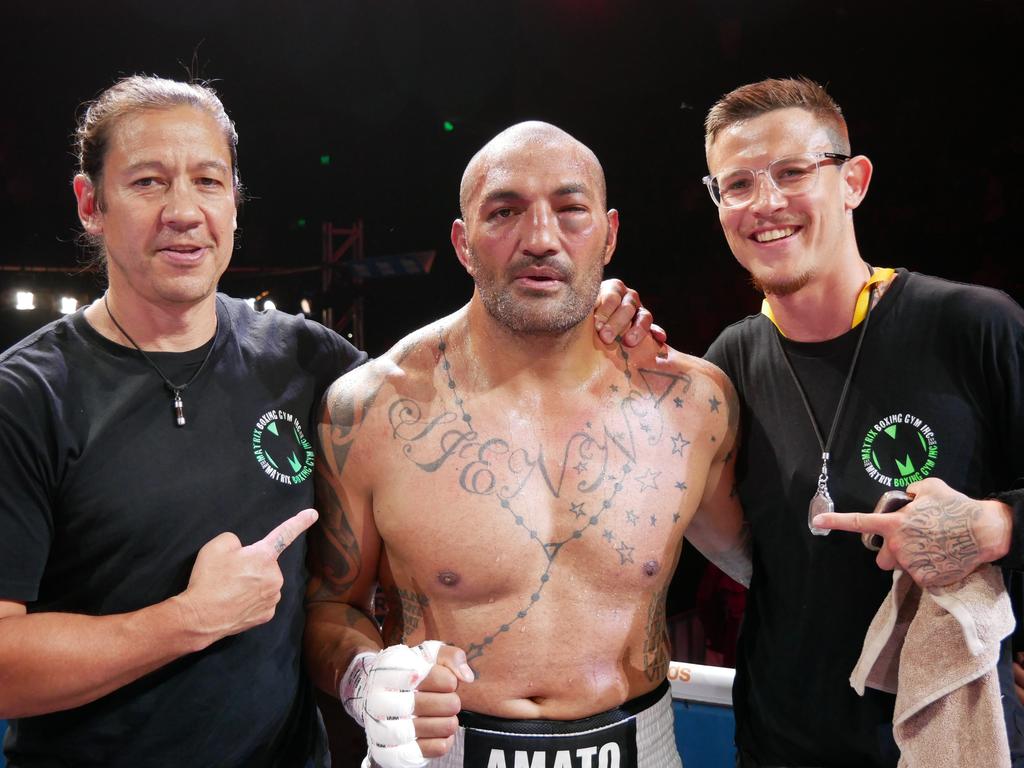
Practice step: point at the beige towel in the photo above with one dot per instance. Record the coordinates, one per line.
(937, 651)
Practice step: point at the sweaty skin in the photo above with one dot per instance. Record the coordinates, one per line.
(537, 534)
(519, 488)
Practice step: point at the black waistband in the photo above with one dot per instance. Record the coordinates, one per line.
(622, 712)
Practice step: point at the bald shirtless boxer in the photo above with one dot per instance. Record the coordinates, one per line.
(520, 491)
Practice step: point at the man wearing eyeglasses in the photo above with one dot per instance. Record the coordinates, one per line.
(853, 381)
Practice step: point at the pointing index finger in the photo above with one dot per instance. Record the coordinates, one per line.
(279, 539)
(857, 522)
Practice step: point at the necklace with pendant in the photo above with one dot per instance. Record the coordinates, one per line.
(821, 502)
(175, 389)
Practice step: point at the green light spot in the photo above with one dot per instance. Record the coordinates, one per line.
(301, 223)
(449, 126)
(325, 159)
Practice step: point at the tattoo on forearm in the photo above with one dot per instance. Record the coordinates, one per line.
(656, 642)
(405, 613)
(940, 542)
(354, 617)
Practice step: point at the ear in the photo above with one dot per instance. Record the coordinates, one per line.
(89, 212)
(613, 235)
(856, 179)
(460, 241)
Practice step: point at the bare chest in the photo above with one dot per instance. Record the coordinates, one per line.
(597, 490)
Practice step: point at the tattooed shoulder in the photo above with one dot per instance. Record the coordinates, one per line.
(714, 398)
(350, 403)
(348, 399)
(722, 397)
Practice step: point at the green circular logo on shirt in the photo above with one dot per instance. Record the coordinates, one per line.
(899, 450)
(280, 447)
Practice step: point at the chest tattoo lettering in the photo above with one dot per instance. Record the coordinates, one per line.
(602, 467)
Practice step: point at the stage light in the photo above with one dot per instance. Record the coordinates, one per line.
(325, 159)
(24, 300)
(305, 307)
(268, 304)
(68, 305)
(251, 303)
(449, 126)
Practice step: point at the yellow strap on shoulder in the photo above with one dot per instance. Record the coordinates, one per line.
(880, 275)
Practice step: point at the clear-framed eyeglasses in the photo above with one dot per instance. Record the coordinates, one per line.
(790, 175)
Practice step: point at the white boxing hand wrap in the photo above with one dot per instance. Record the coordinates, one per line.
(378, 692)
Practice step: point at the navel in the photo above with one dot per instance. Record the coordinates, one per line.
(651, 567)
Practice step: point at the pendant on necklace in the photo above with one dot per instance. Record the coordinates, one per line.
(821, 502)
(179, 409)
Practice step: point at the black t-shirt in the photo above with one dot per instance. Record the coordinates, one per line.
(937, 392)
(106, 502)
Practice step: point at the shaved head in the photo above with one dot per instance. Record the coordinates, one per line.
(519, 139)
(535, 231)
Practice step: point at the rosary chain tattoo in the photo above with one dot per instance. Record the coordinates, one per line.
(479, 475)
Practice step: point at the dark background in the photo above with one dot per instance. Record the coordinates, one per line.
(930, 91)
